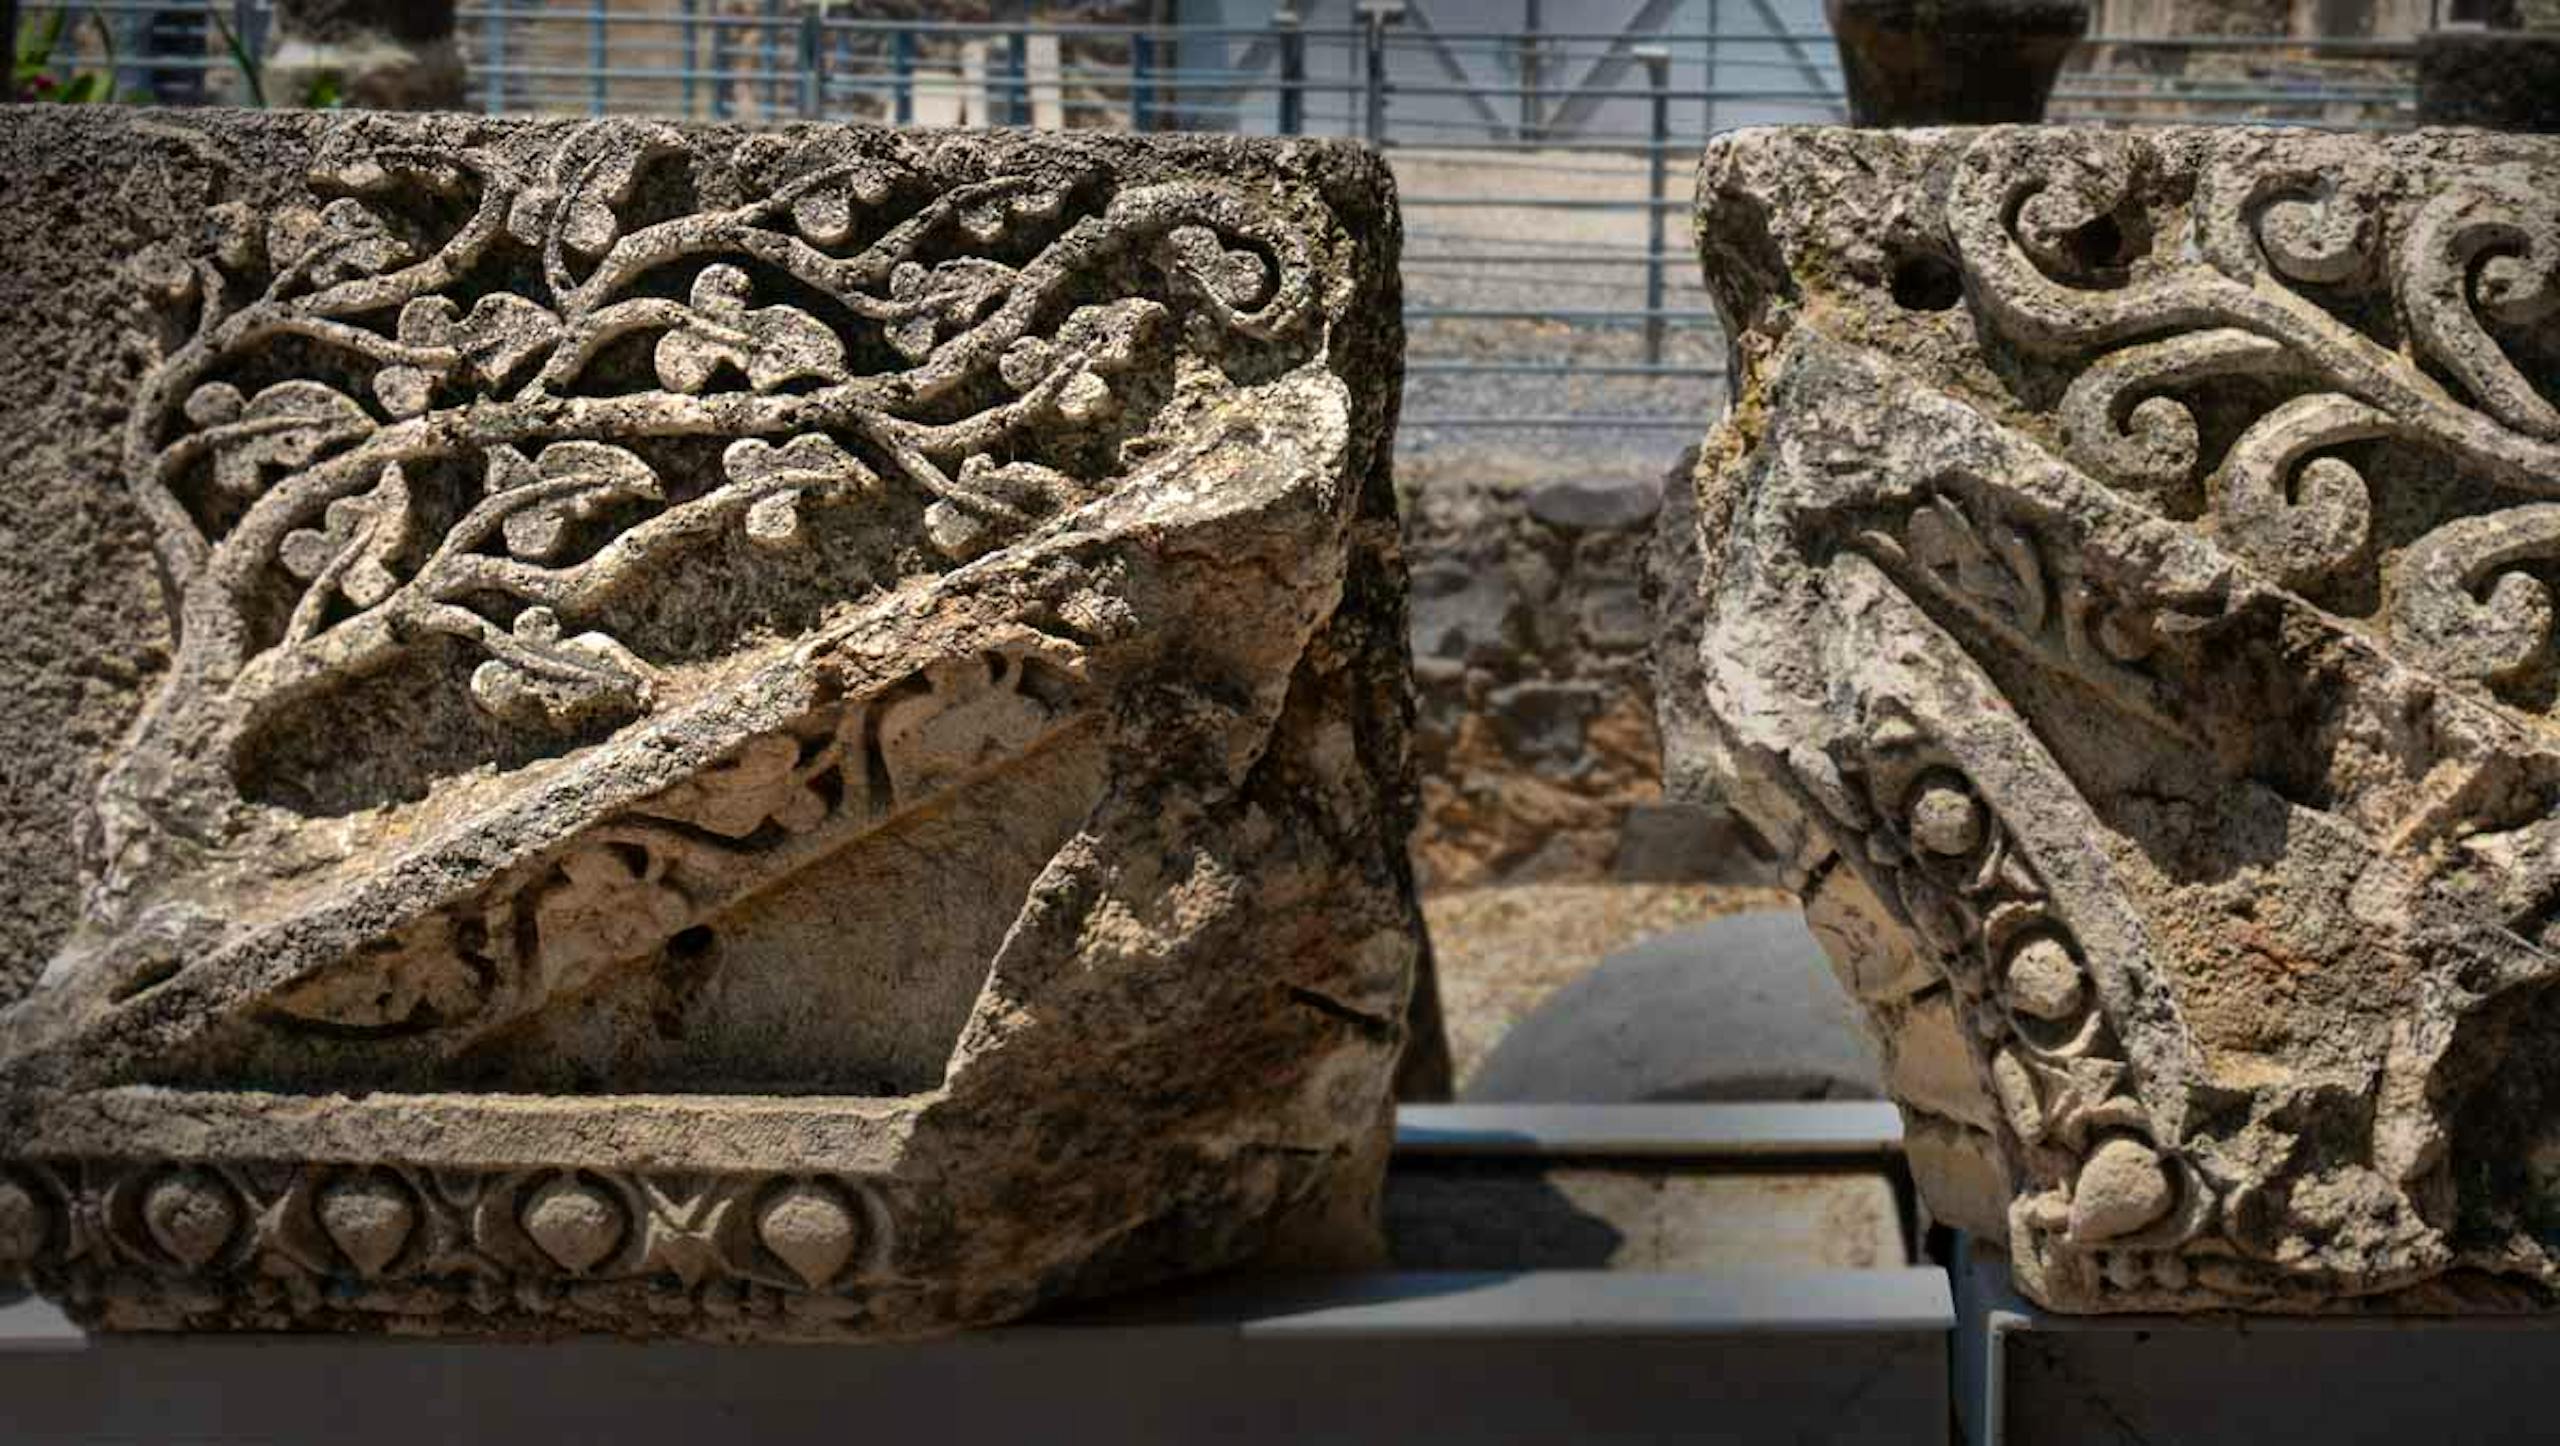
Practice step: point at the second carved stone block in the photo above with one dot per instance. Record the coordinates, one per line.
(2126, 574)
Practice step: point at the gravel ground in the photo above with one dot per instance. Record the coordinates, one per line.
(1502, 950)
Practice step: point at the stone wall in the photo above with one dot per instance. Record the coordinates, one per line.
(1541, 759)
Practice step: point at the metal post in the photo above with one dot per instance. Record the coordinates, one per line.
(722, 48)
(596, 48)
(1715, 55)
(1293, 70)
(1657, 70)
(902, 67)
(692, 51)
(493, 40)
(1142, 81)
(1374, 15)
(769, 57)
(1017, 74)
(813, 64)
(1532, 57)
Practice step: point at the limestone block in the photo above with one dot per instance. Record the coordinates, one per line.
(2125, 583)
(791, 733)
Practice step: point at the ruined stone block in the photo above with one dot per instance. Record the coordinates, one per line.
(772, 733)
(2126, 577)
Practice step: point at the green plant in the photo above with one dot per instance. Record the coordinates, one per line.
(252, 75)
(33, 72)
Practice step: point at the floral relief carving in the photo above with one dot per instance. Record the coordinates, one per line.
(2149, 659)
(2468, 266)
(562, 1249)
(867, 333)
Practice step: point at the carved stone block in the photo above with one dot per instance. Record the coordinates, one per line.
(2126, 571)
(786, 733)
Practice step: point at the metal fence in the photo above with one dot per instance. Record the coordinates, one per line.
(1553, 303)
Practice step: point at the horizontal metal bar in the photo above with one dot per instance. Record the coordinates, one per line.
(2341, 44)
(2179, 94)
(1446, 260)
(1850, 1129)
(1553, 313)
(1542, 203)
(1596, 249)
(2316, 123)
(1696, 424)
(1564, 368)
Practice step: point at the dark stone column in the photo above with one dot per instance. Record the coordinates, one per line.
(377, 54)
(1952, 62)
(2507, 80)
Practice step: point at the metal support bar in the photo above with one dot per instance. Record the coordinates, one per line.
(691, 10)
(1287, 30)
(902, 66)
(1374, 15)
(1142, 82)
(598, 97)
(813, 65)
(1813, 76)
(1657, 70)
(769, 58)
(493, 40)
(1600, 82)
(1017, 78)
(1532, 58)
(1419, 20)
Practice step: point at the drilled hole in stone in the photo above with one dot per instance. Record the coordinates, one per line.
(2099, 245)
(1922, 282)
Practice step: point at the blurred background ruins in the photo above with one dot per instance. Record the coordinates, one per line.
(1561, 351)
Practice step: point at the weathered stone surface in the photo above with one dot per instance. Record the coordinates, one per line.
(2125, 580)
(789, 733)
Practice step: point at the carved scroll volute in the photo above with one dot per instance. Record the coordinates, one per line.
(2484, 248)
(2458, 609)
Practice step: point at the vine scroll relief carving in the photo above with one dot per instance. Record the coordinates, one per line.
(482, 405)
(2129, 590)
(717, 680)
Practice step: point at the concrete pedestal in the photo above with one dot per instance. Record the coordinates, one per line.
(2027, 1378)
(1759, 1352)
